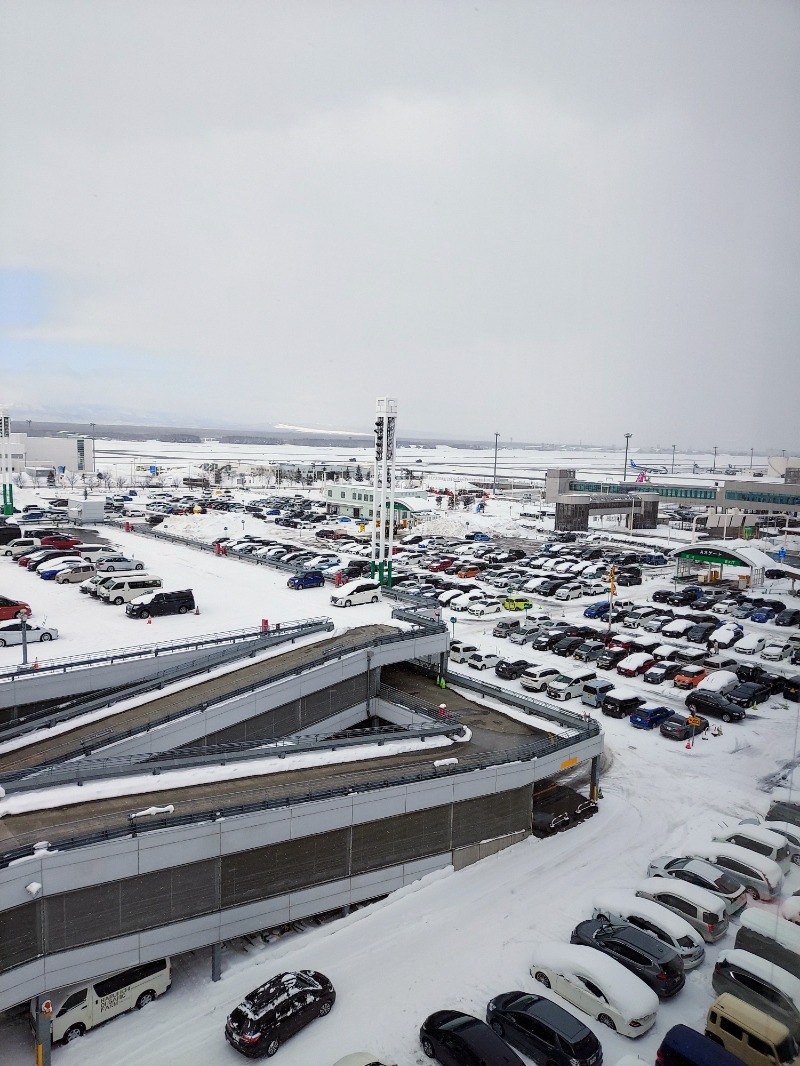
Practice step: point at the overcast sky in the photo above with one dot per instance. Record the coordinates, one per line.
(556, 220)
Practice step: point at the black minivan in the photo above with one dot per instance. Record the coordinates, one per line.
(543, 1030)
(161, 603)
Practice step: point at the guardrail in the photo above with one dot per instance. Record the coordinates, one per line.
(143, 651)
(104, 738)
(485, 760)
(46, 719)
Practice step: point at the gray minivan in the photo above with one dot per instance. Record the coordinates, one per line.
(595, 691)
(772, 937)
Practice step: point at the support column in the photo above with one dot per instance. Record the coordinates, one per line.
(43, 1032)
(595, 792)
(216, 962)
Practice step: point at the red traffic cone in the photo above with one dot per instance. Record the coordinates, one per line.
(149, 621)
(36, 664)
(689, 745)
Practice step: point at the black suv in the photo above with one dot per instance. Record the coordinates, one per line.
(749, 693)
(542, 1030)
(155, 603)
(654, 962)
(611, 657)
(510, 671)
(715, 704)
(273, 1012)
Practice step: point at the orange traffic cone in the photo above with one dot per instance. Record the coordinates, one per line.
(196, 609)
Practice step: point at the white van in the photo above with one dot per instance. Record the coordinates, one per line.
(358, 592)
(570, 592)
(126, 587)
(81, 1007)
(621, 906)
(21, 546)
(81, 572)
(565, 686)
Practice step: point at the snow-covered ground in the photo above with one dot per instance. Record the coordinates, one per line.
(451, 940)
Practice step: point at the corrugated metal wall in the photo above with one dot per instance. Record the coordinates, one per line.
(103, 912)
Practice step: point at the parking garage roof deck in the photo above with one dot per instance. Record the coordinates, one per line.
(493, 734)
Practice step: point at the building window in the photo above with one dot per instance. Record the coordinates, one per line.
(343, 495)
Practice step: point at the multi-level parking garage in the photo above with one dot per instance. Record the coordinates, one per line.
(161, 839)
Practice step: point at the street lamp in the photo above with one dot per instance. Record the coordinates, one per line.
(494, 474)
(673, 458)
(751, 459)
(625, 463)
(714, 467)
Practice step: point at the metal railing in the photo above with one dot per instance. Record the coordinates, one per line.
(47, 718)
(144, 651)
(466, 764)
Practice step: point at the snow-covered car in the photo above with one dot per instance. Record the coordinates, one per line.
(726, 636)
(486, 607)
(598, 985)
(623, 906)
(118, 562)
(723, 681)
(704, 875)
(483, 660)
(466, 600)
(593, 588)
(751, 645)
(776, 650)
(677, 628)
(11, 633)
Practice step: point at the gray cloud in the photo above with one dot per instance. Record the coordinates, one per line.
(559, 220)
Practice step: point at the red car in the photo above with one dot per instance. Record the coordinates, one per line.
(635, 664)
(13, 609)
(60, 542)
(441, 565)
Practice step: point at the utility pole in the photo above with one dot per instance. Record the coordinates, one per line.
(625, 463)
(751, 460)
(494, 473)
(673, 459)
(714, 467)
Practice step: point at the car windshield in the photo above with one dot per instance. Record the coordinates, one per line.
(461, 1021)
(562, 679)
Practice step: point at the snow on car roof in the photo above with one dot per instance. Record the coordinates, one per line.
(761, 833)
(637, 659)
(718, 680)
(624, 902)
(773, 926)
(701, 897)
(763, 969)
(622, 988)
(790, 909)
(761, 863)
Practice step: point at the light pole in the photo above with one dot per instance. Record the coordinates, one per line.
(494, 473)
(673, 458)
(714, 467)
(625, 463)
(751, 460)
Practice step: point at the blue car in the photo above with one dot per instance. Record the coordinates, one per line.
(49, 575)
(597, 610)
(311, 579)
(649, 716)
(763, 614)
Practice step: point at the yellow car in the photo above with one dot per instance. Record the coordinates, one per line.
(517, 603)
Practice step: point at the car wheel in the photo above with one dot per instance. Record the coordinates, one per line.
(374, 599)
(604, 1018)
(118, 601)
(109, 570)
(46, 636)
(796, 858)
(753, 893)
(498, 1028)
(325, 1008)
(691, 705)
(145, 998)
(348, 603)
(727, 718)
(144, 614)
(73, 1033)
(272, 1047)
(542, 978)
(427, 1047)
(2, 643)
(183, 609)
(139, 566)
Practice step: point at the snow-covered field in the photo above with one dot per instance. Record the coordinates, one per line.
(451, 940)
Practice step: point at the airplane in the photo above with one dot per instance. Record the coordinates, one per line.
(649, 469)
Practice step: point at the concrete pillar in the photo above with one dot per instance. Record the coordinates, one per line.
(594, 785)
(216, 962)
(43, 1033)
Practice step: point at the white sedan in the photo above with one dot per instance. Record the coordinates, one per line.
(110, 566)
(598, 985)
(481, 661)
(12, 633)
(486, 607)
(776, 650)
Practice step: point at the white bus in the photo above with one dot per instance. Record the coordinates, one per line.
(81, 1007)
